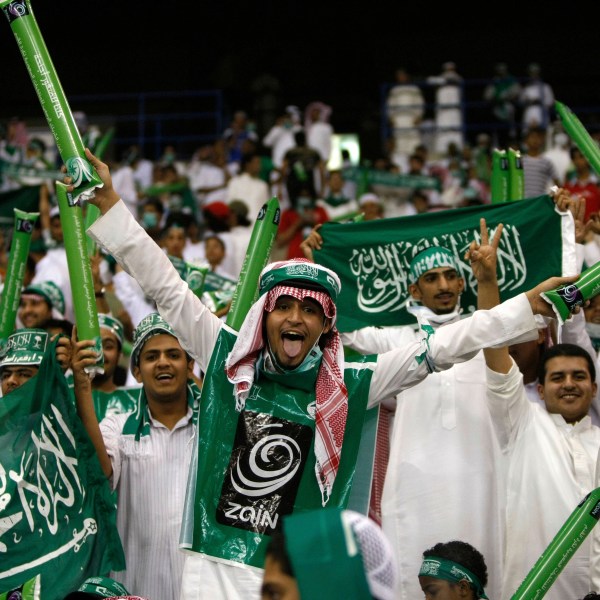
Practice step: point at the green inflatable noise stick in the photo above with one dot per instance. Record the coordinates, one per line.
(500, 176)
(565, 298)
(561, 549)
(257, 255)
(15, 272)
(578, 133)
(80, 273)
(516, 176)
(51, 96)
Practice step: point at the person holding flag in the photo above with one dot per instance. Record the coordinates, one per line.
(278, 432)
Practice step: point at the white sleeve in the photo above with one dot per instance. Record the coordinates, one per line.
(511, 322)
(121, 235)
(110, 428)
(376, 340)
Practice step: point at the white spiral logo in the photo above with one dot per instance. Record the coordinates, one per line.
(79, 169)
(18, 9)
(263, 480)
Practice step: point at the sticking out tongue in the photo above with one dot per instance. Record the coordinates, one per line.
(292, 347)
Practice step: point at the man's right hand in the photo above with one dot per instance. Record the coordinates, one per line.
(539, 306)
(314, 241)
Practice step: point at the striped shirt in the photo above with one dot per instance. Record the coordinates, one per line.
(540, 175)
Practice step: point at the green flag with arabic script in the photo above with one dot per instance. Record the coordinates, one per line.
(57, 513)
(372, 258)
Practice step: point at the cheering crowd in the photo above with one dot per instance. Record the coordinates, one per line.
(289, 459)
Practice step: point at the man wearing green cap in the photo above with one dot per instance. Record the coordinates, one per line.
(41, 302)
(146, 454)
(108, 397)
(98, 587)
(278, 433)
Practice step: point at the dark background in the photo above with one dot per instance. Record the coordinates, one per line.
(339, 54)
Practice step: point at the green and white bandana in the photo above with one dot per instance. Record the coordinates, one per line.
(98, 587)
(151, 325)
(24, 347)
(113, 325)
(442, 568)
(51, 293)
(431, 258)
(306, 273)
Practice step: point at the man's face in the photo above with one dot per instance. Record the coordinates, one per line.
(592, 310)
(112, 353)
(175, 241)
(293, 328)
(438, 289)
(277, 585)
(163, 369)
(34, 311)
(568, 389)
(56, 229)
(440, 589)
(14, 377)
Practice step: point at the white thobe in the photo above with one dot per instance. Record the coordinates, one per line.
(254, 192)
(550, 468)
(443, 480)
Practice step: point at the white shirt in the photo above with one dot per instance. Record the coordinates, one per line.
(550, 468)
(197, 330)
(443, 480)
(253, 191)
(53, 267)
(150, 476)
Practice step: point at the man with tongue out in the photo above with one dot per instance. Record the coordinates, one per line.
(281, 414)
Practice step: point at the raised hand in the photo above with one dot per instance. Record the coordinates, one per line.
(483, 255)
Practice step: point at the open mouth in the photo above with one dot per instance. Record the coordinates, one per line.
(292, 343)
(164, 377)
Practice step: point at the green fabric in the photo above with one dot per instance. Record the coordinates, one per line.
(432, 258)
(223, 520)
(109, 322)
(104, 587)
(305, 272)
(121, 400)
(57, 516)
(372, 258)
(369, 177)
(151, 325)
(442, 568)
(325, 556)
(25, 347)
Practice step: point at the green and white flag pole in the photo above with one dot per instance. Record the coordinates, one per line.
(51, 96)
(15, 273)
(80, 273)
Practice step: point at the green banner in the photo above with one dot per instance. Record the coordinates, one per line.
(26, 199)
(57, 513)
(368, 177)
(372, 258)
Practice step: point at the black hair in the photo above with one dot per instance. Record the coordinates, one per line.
(64, 325)
(217, 238)
(565, 350)
(153, 201)
(246, 159)
(300, 137)
(464, 554)
(277, 551)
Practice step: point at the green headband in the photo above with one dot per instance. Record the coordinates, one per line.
(442, 568)
(50, 292)
(302, 274)
(431, 258)
(24, 347)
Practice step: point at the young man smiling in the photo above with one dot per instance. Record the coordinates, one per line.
(146, 454)
(278, 433)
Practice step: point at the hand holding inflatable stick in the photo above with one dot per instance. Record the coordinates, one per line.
(51, 96)
(566, 298)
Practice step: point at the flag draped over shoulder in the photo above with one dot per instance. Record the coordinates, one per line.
(372, 258)
(57, 514)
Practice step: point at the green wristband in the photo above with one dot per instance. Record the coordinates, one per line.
(80, 274)
(51, 96)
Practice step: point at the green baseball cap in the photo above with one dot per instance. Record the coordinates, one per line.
(98, 587)
(24, 347)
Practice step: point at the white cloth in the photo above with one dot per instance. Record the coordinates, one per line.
(405, 107)
(550, 468)
(319, 136)
(150, 477)
(197, 329)
(239, 238)
(443, 480)
(280, 139)
(204, 175)
(53, 267)
(251, 190)
(125, 184)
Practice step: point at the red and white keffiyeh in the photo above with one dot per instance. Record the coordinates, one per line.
(331, 393)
